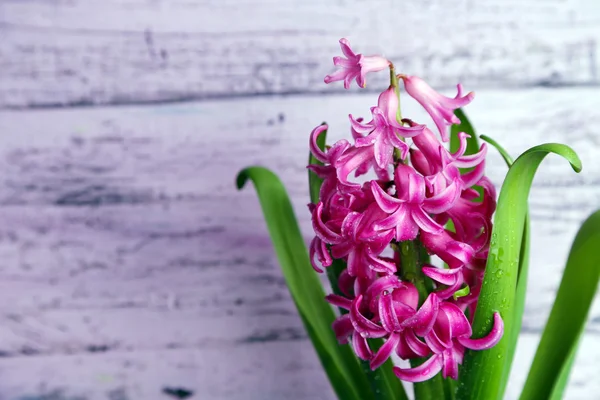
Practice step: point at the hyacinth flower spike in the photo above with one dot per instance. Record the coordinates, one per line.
(380, 229)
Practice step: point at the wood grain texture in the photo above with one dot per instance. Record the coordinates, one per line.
(77, 52)
(131, 264)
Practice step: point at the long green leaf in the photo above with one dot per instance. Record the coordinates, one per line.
(482, 371)
(513, 335)
(383, 382)
(549, 372)
(339, 362)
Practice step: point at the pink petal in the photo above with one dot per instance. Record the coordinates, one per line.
(346, 283)
(361, 128)
(441, 275)
(462, 144)
(488, 341)
(346, 50)
(417, 346)
(380, 265)
(419, 162)
(342, 327)
(361, 347)
(353, 262)
(472, 177)
(437, 341)
(423, 320)
(444, 200)
(387, 314)
(362, 324)
(321, 229)
(339, 301)
(385, 351)
(454, 253)
(406, 229)
(383, 153)
(450, 367)
(314, 148)
(388, 282)
(472, 159)
(423, 372)
(372, 64)
(386, 202)
(407, 294)
(350, 160)
(338, 75)
(388, 104)
(424, 221)
(459, 325)
(398, 217)
(312, 251)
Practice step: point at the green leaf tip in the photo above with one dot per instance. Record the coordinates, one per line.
(242, 178)
(507, 158)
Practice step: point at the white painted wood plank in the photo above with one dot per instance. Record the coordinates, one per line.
(84, 52)
(260, 371)
(122, 236)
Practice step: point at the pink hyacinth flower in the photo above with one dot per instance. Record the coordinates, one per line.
(409, 212)
(384, 132)
(355, 66)
(448, 339)
(440, 108)
(382, 173)
(329, 157)
(451, 251)
(386, 309)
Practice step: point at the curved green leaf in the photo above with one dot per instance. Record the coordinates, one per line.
(513, 337)
(549, 372)
(482, 371)
(339, 362)
(507, 158)
(383, 382)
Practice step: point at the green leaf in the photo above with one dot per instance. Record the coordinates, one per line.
(554, 357)
(507, 158)
(383, 382)
(513, 335)
(482, 371)
(339, 362)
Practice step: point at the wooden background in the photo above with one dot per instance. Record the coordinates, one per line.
(128, 261)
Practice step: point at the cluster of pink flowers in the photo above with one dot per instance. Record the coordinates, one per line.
(419, 190)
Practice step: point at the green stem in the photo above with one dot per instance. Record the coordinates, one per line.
(411, 268)
(410, 258)
(394, 84)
